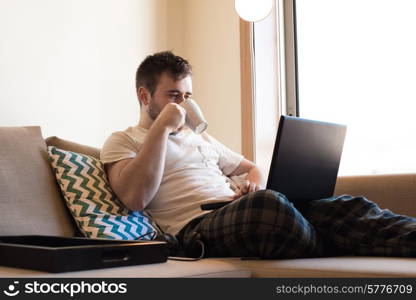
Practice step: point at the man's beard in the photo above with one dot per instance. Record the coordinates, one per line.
(153, 110)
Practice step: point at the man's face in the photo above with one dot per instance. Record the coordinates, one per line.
(169, 91)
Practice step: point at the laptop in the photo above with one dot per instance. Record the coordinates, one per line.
(306, 158)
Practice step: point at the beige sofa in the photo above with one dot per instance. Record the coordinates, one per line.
(31, 203)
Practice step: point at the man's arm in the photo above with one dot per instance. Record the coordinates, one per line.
(254, 180)
(136, 181)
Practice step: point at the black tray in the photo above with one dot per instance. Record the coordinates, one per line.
(63, 254)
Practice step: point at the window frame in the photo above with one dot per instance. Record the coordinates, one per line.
(287, 29)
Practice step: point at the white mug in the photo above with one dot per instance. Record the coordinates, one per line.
(194, 117)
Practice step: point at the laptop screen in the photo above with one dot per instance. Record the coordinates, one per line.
(306, 158)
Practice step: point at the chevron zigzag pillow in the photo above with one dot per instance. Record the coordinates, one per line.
(96, 210)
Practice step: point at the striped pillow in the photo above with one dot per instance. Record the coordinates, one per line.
(98, 213)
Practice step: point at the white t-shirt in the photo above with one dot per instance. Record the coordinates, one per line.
(195, 173)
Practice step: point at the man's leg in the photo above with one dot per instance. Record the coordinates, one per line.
(260, 224)
(359, 227)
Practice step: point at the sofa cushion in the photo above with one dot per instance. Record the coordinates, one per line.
(342, 266)
(205, 268)
(98, 213)
(396, 192)
(72, 146)
(30, 200)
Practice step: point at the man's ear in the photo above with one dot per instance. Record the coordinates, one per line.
(143, 95)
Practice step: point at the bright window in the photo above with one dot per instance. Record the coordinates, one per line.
(357, 66)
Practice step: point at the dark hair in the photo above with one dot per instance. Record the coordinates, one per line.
(149, 71)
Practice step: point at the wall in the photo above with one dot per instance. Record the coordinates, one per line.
(212, 43)
(69, 66)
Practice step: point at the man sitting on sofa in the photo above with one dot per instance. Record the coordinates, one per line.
(162, 166)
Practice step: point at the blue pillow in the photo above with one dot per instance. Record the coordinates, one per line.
(96, 210)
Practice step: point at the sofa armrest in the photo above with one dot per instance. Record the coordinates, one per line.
(396, 192)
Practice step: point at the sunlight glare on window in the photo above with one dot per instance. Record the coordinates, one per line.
(357, 66)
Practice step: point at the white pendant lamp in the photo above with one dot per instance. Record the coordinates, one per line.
(253, 10)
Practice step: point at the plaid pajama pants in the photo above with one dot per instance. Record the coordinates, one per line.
(265, 224)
